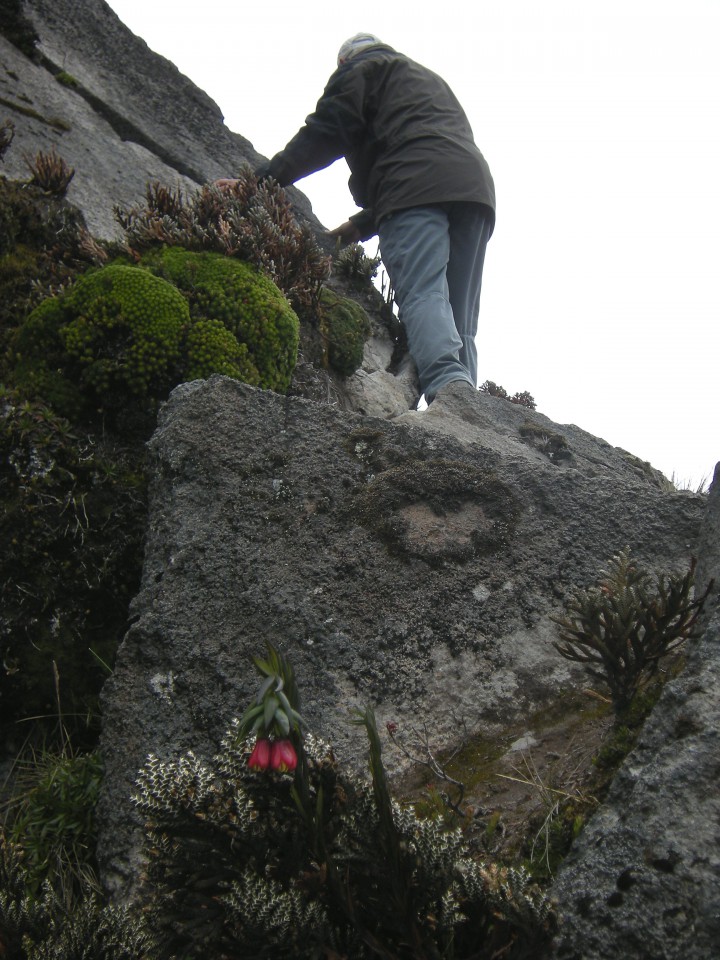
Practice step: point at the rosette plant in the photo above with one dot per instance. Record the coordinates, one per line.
(273, 716)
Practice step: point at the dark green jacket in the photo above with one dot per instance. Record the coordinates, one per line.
(402, 131)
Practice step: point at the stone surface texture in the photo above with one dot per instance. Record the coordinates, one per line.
(130, 118)
(398, 566)
(643, 879)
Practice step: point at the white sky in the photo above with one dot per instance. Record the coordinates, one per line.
(599, 120)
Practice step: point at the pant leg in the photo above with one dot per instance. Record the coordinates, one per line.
(470, 227)
(415, 248)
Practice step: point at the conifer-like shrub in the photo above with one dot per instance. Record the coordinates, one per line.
(621, 628)
(248, 304)
(344, 328)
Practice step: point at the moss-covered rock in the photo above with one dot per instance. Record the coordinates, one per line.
(345, 327)
(248, 304)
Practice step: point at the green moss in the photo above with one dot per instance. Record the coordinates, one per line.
(67, 80)
(245, 301)
(212, 348)
(117, 331)
(345, 327)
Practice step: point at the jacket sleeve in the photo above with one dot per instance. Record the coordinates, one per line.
(330, 132)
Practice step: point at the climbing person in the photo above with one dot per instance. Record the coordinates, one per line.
(424, 188)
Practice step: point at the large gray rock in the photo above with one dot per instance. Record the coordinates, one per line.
(396, 565)
(130, 118)
(643, 881)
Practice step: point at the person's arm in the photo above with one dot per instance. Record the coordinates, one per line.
(330, 132)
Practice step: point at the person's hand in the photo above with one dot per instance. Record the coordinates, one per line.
(226, 185)
(346, 233)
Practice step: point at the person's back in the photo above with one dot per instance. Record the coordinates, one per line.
(416, 145)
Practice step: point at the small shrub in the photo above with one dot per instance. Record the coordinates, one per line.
(50, 172)
(523, 399)
(72, 520)
(248, 222)
(344, 327)
(42, 927)
(621, 628)
(352, 262)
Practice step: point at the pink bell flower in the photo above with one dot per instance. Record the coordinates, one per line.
(283, 757)
(260, 757)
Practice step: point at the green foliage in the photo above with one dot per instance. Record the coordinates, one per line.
(344, 327)
(116, 333)
(352, 262)
(52, 817)
(621, 628)
(274, 712)
(247, 303)
(67, 80)
(72, 516)
(211, 348)
(248, 222)
(261, 865)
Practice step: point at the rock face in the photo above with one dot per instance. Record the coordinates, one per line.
(643, 880)
(396, 565)
(114, 110)
(410, 563)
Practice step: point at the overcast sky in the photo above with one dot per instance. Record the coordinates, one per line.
(599, 119)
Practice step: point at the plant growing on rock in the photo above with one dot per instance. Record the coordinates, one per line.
(352, 262)
(249, 861)
(344, 328)
(72, 519)
(523, 399)
(621, 628)
(249, 305)
(249, 222)
(50, 172)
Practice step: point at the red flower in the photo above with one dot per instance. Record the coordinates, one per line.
(260, 757)
(283, 756)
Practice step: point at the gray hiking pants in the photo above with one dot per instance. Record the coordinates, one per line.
(434, 257)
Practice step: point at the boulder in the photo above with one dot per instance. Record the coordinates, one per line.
(396, 565)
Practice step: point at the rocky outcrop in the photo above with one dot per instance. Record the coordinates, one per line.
(114, 110)
(395, 564)
(643, 880)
